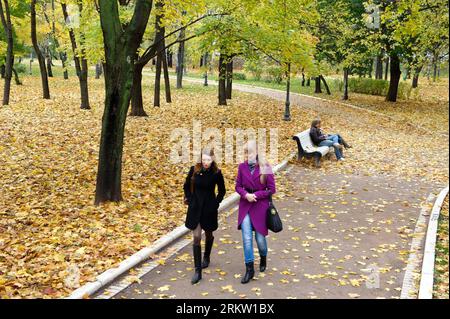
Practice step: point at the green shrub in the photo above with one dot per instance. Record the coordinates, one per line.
(20, 68)
(239, 76)
(374, 87)
(254, 68)
(274, 74)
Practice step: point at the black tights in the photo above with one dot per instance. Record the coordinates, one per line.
(197, 234)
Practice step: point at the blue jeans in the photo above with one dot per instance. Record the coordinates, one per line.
(330, 141)
(247, 239)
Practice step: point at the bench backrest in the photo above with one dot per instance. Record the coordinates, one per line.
(305, 140)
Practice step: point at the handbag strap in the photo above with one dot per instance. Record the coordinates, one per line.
(270, 193)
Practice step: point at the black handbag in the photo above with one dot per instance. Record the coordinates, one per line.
(273, 219)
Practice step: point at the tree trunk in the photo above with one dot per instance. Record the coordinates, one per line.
(84, 69)
(137, 104)
(229, 75)
(120, 46)
(308, 81)
(205, 65)
(395, 78)
(318, 88)
(370, 69)
(108, 187)
(222, 80)
(326, 85)
(63, 57)
(169, 58)
(303, 79)
(81, 66)
(40, 57)
(379, 67)
(159, 38)
(435, 70)
(415, 81)
(7, 26)
(287, 104)
(84, 85)
(157, 89)
(345, 96)
(98, 70)
(16, 77)
(386, 69)
(2, 69)
(49, 65)
(166, 76)
(180, 62)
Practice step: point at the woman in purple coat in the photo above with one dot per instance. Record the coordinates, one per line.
(254, 183)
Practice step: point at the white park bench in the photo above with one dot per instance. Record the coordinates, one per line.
(307, 149)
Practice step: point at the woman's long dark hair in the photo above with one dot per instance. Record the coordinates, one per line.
(198, 167)
(315, 122)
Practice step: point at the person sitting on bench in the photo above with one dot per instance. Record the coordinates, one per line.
(321, 139)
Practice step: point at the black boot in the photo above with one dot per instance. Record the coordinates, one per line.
(197, 263)
(208, 247)
(262, 263)
(346, 145)
(249, 272)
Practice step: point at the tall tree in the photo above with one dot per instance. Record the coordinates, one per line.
(81, 65)
(222, 79)
(160, 56)
(121, 42)
(5, 16)
(166, 74)
(37, 50)
(180, 59)
(229, 78)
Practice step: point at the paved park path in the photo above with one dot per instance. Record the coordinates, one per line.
(345, 236)
(338, 228)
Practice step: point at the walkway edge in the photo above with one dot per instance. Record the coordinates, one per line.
(109, 275)
(427, 275)
(412, 273)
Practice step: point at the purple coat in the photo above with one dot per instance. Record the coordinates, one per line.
(258, 209)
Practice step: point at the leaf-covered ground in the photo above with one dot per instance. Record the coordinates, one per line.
(440, 290)
(426, 107)
(49, 150)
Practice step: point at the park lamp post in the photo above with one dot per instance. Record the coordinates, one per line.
(205, 65)
(287, 109)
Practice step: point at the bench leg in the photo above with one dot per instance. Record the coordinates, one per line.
(317, 160)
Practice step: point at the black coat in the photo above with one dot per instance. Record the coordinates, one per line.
(316, 135)
(203, 203)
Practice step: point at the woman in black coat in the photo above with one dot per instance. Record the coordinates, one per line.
(199, 195)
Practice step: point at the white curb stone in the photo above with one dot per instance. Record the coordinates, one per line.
(427, 276)
(412, 273)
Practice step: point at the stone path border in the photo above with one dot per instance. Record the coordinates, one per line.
(145, 253)
(412, 274)
(427, 274)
